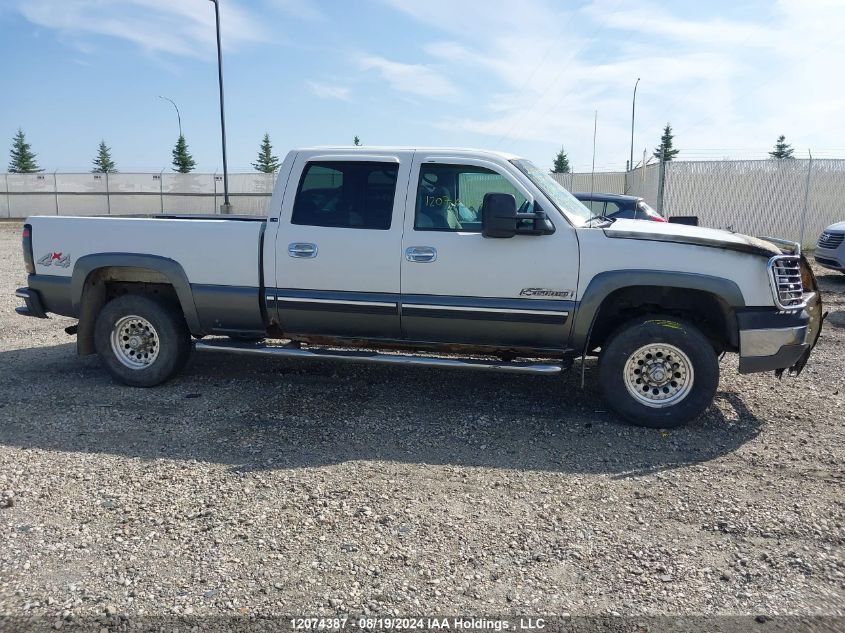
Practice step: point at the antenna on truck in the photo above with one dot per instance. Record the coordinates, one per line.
(226, 207)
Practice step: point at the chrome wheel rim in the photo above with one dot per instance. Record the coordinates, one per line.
(658, 375)
(135, 342)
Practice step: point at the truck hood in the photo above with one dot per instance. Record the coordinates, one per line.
(839, 226)
(694, 235)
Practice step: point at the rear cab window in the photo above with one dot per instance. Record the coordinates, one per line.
(354, 195)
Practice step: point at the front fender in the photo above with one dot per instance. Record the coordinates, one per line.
(603, 284)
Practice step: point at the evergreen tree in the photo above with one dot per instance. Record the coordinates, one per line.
(561, 165)
(664, 150)
(183, 162)
(782, 149)
(266, 162)
(103, 164)
(22, 157)
(357, 141)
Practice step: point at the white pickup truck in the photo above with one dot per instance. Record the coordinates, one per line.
(443, 257)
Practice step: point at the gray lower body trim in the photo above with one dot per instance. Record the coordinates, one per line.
(229, 309)
(369, 315)
(55, 293)
(530, 323)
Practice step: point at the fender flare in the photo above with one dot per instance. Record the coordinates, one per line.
(603, 284)
(171, 269)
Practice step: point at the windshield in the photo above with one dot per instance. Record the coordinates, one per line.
(560, 197)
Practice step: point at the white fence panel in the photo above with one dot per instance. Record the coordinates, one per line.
(644, 183)
(82, 194)
(31, 194)
(134, 194)
(825, 204)
(763, 197)
(4, 198)
(600, 182)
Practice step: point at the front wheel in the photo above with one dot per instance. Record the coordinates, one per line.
(141, 342)
(659, 372)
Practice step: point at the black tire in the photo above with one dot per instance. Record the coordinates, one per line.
(167, 347)
(632, 343)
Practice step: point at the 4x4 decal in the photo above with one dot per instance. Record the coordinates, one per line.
(58, 259)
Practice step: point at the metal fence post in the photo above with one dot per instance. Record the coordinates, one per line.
(661, 183)
(56, 192)
(8, 197)
(161, 189)
(108, 197)
(806, 198)
(214, 180)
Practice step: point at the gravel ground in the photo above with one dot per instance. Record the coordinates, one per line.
(260, 486)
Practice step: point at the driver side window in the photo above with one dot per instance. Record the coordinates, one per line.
(449, 197)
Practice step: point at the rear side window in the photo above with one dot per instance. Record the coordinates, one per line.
(353, 195)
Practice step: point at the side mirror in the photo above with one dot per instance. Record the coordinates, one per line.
(498, 215)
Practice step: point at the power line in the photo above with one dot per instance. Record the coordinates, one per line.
(552, 83)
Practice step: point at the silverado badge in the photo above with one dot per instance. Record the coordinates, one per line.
(546, 292)
(59, 259)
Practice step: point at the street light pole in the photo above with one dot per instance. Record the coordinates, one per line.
(178, 116)
(633, 111)
(226, 207)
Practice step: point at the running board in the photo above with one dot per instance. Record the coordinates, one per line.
(380, 358)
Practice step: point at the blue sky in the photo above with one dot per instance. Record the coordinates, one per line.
(522, 76)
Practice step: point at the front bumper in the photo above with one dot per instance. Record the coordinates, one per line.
(834, 259)
(778, 340)
(34, 306)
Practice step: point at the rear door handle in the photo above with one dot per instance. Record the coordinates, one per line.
(302, 250)
(421, 254)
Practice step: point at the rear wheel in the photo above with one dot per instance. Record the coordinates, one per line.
(658, 372)
(140, 341)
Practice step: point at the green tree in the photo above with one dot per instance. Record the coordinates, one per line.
(103, 163)
(782, 149)
(266, 162)
(357, 141)
(22, 157)
(561, 165)
(183, 162)
(665, 149)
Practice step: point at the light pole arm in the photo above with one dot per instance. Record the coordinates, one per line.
(178, 115)
(633, 112)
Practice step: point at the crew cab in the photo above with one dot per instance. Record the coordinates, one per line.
(442, 257)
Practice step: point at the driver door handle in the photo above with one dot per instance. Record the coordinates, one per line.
(302, 250)
(421, 254)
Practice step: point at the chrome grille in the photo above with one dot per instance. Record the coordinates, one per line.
(785, 272)
(831, 240)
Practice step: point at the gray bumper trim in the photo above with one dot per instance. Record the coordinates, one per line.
(771, 348)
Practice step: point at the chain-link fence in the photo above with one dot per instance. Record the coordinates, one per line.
(792, 199)
(786, 198)
(600, 182)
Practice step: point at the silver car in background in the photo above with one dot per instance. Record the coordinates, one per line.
(830, 249)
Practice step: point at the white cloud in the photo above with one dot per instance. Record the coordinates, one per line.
(723, 79)
(180, 27)
(328, 91)
(417, 79)
(304, 9)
